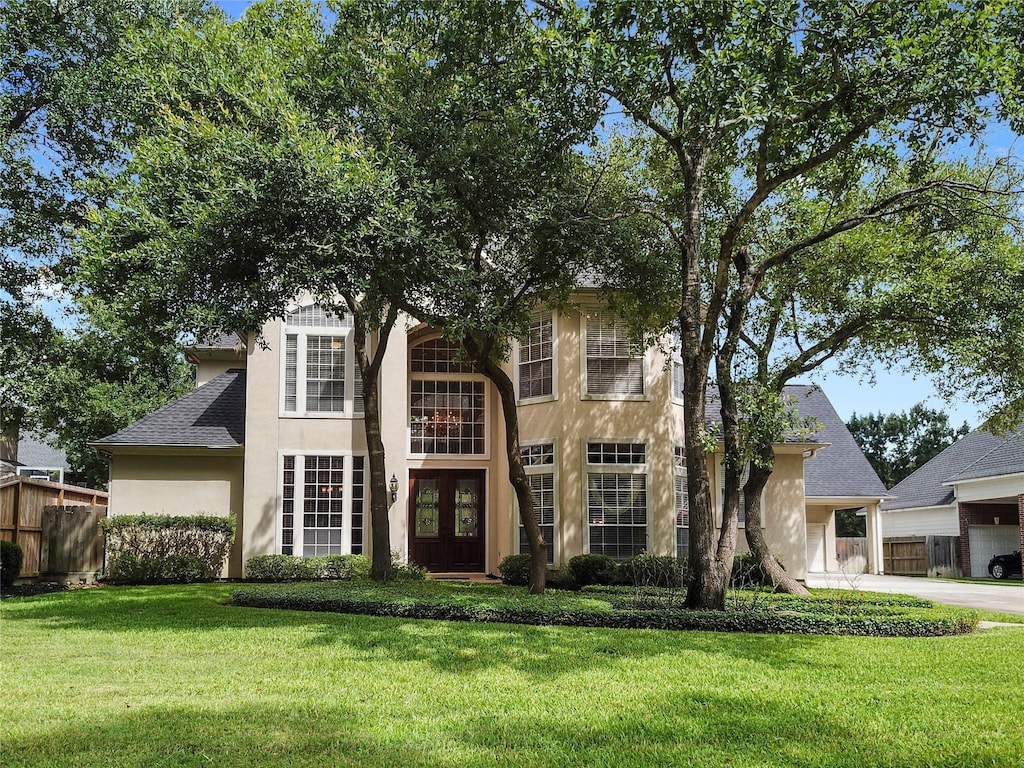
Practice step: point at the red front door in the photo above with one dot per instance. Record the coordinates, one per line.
(446, 519)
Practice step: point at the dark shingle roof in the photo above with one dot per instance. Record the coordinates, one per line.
(1006, 458)
(212, 415)
(839, 470)
(218, 341)
(924, 488)
(37, 452)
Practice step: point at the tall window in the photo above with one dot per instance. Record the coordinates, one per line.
(617, 498)
(677, 367)
(682, 504)
(322, 505)
(612, 369)
(539, 463)
(536, 357)
(446, 414)
(320, 371)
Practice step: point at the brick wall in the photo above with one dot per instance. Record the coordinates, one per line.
(984, 514)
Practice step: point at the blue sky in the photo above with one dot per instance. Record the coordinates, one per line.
(891, 390)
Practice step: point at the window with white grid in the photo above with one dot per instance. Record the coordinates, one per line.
(322, 505)
(320, 373)
(617, 498)
(682, 503)
(611, 367)
(438, 356)
(677, 368)
(538, 461)
(536, 358)
(447, 416)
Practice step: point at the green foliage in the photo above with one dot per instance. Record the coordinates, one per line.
(620, 610)
(849, 524)
(11, 559)
(593, 569)
(279, 568)
(654, 571)
(515, 570)
(153, 549)
(747, 572)
(897, 444)
(63, 111)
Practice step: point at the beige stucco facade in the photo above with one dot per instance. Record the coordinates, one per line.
(568, 418)
(194, 482)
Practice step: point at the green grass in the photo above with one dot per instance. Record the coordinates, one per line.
(1013, 581)
(170, 676)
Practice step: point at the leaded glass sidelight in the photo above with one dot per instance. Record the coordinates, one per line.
(467, 507)
(427, 508)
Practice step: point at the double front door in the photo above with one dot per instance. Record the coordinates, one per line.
(446, 519)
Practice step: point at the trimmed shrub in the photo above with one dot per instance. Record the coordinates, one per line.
(560, 578)
(11, 559)
(279, 568)
(165, 549)
(408, 572)
(521, 608)
(515, 570)
(747, 572)
(654, 571)
(593, 569)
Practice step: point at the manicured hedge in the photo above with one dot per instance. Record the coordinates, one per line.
(525, 609)
(282, 568)
(515, 570)
(160, 549)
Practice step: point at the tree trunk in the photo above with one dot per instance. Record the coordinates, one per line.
(760, 471)
(709, 580)
(516, 473)
(10, 435)
(380, 526)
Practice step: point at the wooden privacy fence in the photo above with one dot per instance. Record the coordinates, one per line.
(922, 555)
(852, 554)
(35, 515)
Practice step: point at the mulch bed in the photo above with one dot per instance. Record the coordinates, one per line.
(41, 588)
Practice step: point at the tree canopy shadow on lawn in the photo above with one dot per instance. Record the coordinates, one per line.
(675, 729)
(446, 645)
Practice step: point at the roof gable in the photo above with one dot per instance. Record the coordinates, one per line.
(840, 469)
(211, 416)
(924, 487)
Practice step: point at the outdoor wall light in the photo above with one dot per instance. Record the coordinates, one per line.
(393, 486)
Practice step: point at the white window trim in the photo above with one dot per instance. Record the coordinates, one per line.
(554, 367)
(584, 393)
(440, 376)
(551, 469)
(348, 334)
(614, 469)
(675, 359)
(33, 473)
(678, 472)
(346, 499)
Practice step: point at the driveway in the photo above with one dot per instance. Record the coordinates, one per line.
(990, 597)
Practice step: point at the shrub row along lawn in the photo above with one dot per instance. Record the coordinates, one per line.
(170, 676)
(827, 613)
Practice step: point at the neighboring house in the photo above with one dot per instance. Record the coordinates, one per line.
(39, 460)
(974, 489)
(276, 437)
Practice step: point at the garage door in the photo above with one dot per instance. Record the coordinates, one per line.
(989, 540)
(816, 548)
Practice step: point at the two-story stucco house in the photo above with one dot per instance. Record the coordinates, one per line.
(275, 436)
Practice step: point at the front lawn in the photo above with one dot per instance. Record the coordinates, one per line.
(171, 676)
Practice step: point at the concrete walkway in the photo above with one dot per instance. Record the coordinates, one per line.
(990, 597)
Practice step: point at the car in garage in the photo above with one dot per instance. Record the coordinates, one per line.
(1004, 566)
